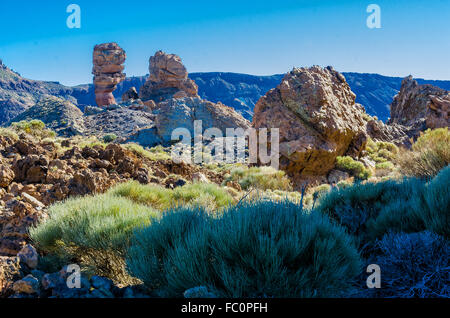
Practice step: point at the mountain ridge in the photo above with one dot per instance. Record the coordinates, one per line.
(238, 90)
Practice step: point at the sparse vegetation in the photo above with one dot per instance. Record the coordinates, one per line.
(10, 133)
(156, 153)
(91, 141)
(263, 178)
(209, 196)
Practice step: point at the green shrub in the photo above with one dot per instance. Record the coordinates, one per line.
(90, 229)
(209, 196)
(270, 249)
(263, 178)
(370, 210)
(428, 155)
(352, 166)
(344, 184)
(151, 245)
(381, 151)
(109, 138)
(385, 166)
(321, 190)
(33, 127)
(437, 197)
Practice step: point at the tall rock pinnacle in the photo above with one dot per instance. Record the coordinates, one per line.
(108, 71)
(168, 79)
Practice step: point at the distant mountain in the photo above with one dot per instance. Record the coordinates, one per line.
(240, 91)
(375, 92)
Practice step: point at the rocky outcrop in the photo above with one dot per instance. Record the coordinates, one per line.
(395, 133)
(315, 110)
(181, 113)
(168, 79)
(172, 98)
(420, 107)
(108, 71)
(130, 94)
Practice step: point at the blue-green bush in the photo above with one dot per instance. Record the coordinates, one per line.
(437, 197)
(368, 210)
(413, 265)
(271, 249)
(371, 210)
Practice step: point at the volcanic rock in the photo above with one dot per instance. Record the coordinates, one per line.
(168, 79)
(130, 94)
(181, 113)
(108, 71)
(315, 110)
(420, 107)
(9, 272)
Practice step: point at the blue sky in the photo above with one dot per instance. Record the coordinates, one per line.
(254, 37)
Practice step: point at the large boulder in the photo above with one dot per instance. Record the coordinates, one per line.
(315, 110)
(108, 71)
(168, 79)
(420, 107)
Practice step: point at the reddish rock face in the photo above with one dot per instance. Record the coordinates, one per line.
(420, 107)
(315, 110)
(108, 71)
(168, 79)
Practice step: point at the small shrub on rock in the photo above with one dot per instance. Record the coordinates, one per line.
(109, 138)
(354, 167)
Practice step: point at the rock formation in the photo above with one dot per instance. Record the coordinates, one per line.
(395, 133)
(108, 71)
(168, 79)
(420, 107)
(181, 113)
(130, 94)
(318, 118)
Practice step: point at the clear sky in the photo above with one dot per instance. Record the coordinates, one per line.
(255, 37)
